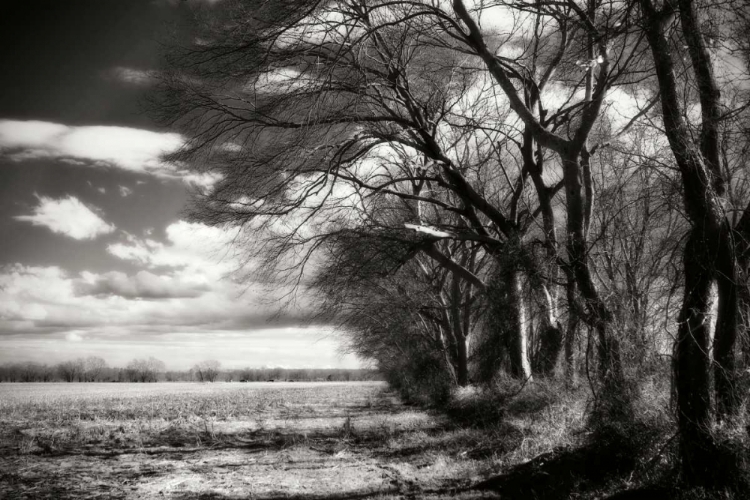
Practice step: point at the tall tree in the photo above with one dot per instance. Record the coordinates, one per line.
(301, 110)
(710, 254)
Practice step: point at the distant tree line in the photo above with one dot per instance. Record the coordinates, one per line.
(301, 374)
(95, 369)
(202, 372)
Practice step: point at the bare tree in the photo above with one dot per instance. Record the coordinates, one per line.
(70, 371)
(93, 368)
(207, 371)
(309, 116)
(637, 232)
(144, 370)
(315, 99)
(710, 252)
(382, 298)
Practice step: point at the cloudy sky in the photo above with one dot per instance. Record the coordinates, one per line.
(96, 258)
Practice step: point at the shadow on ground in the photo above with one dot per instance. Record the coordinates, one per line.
(605, 466)
(354, 495)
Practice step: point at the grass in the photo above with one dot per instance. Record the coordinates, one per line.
(311, 440)
(326, 440)
(191, 441)
(63, 415)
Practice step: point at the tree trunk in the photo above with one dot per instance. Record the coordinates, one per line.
(551, 335)
(571, 335)
(744, 321)
(707, 249)
(692, 380)
(462, 363)
(517, 339)
(611, 374)
(446, 346)
(551, 346)
(725, 336)
(551, 341)
(742, 252)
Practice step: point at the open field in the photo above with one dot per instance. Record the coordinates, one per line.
(230, 440)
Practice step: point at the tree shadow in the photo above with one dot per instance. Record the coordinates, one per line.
(175, 444)
(605, 463)
(468, 443)
(381, 493)
(555, 475)
(490, 409)
(354, 495)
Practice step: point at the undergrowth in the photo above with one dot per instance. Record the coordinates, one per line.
(547, 442)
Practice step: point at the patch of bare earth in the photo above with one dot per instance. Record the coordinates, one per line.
(301, 441)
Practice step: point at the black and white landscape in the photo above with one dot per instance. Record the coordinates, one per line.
(375, 249)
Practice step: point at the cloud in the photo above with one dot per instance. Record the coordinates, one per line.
(68, 216)
(42, 300)
(73, 337)
(502, 19)
(130, 149)
(141, 285)
(182, 303)
(198, 249)
(204, 181)
(125, 191)
(131, 76)
(186, 284)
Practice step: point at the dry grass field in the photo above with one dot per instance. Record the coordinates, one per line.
(233, 440)
(325, 440)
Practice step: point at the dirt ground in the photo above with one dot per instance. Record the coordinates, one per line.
(311, 442)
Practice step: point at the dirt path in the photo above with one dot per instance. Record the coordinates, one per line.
(373, 447)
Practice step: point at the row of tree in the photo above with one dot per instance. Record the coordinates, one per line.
(89, 369)
(95, 369)
(301, 375)
(470, 187)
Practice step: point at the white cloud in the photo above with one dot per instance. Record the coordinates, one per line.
(502, 20)
(280, 80)
(73, 337)
(141, 285)
(186, 291)
(125, 191)
(204, 180)
(188, 285)
(68, 216)
(200, 250)
(130, 149)
(132, 76)
(622, 106)
(731, 70)
(49, 299)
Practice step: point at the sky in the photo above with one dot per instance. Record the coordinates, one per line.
(96, 254)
